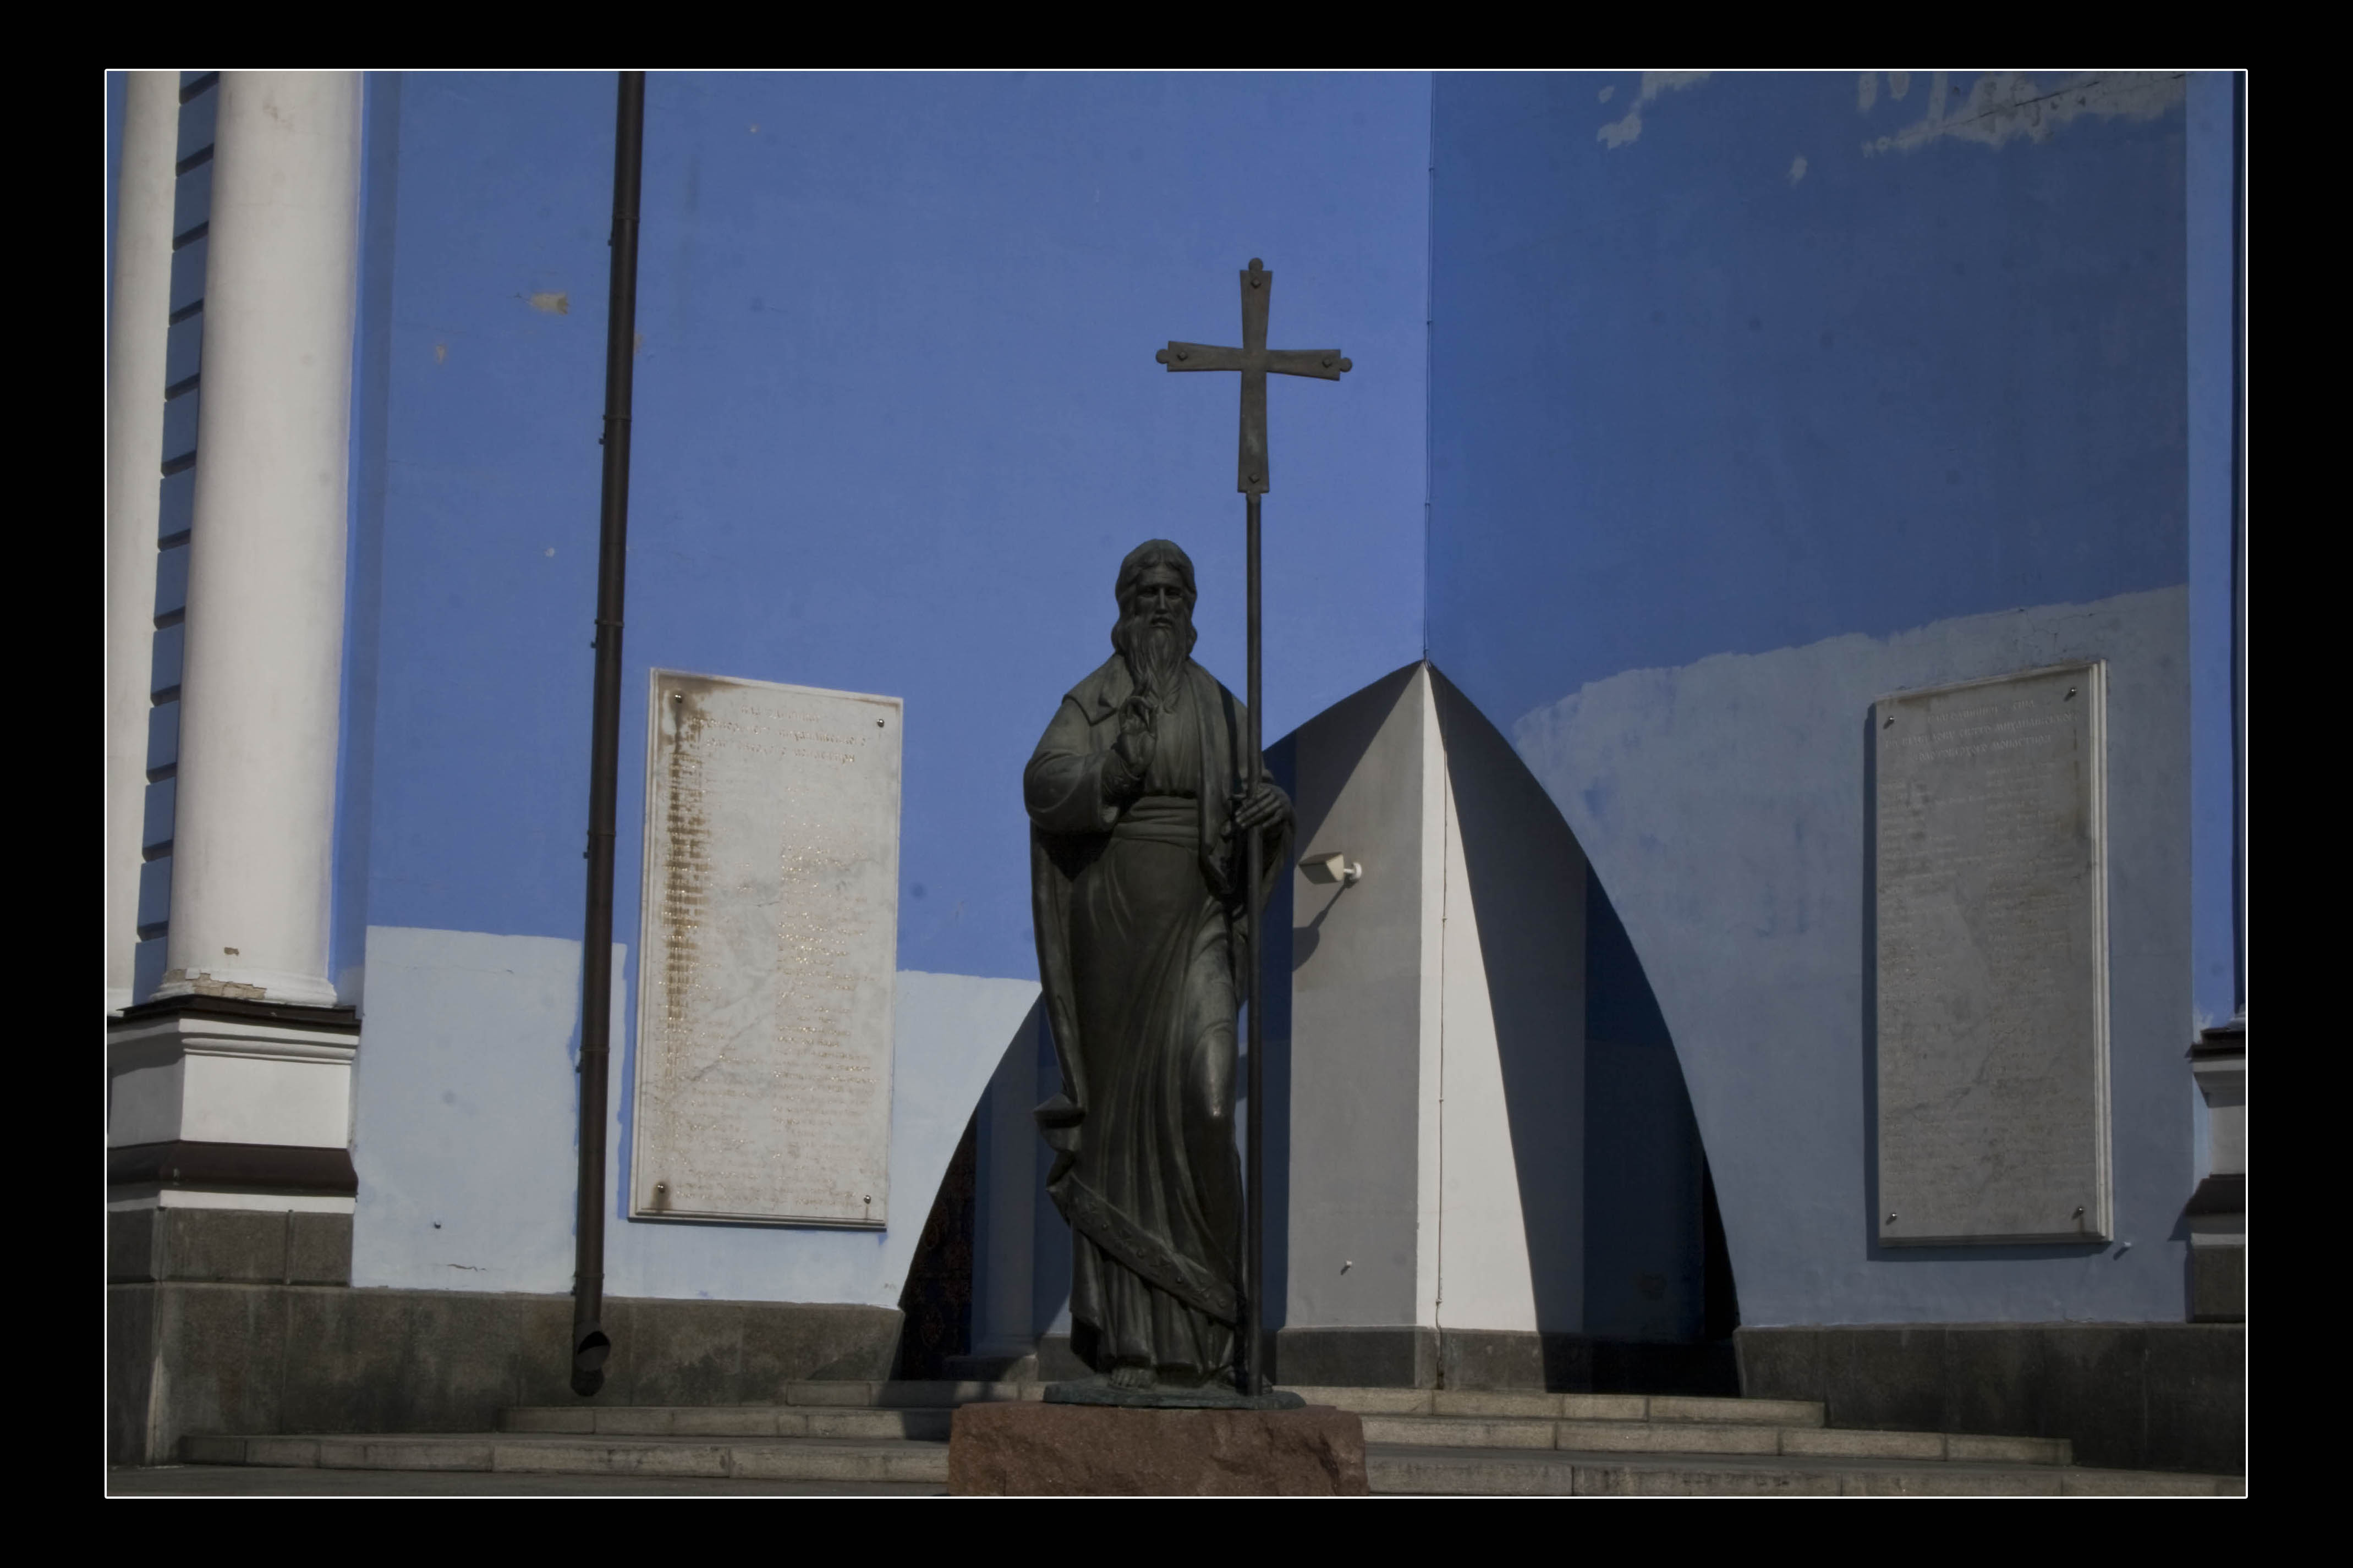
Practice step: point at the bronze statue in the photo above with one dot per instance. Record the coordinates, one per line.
(1139, 810)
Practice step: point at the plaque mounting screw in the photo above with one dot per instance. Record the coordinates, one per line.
(1891, 1219)
(2079, 1211)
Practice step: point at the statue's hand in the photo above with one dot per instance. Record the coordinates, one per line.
(1266, 807)
(1137, 718)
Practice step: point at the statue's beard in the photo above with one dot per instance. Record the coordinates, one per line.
(1156, 654)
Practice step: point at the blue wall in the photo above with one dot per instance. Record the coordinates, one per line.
(1735, 403)
(1754, 397)
(1684, 404)
(897, 420)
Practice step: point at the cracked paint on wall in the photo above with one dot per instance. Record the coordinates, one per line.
(2002, 105)
(1866, 87)
(1625, 128)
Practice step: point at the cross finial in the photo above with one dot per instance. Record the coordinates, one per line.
(1254, 360)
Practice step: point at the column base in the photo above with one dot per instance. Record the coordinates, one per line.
(220, 1102)
(283, 987)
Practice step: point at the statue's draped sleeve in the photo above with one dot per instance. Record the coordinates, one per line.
(1070, 786)
(1072, 806)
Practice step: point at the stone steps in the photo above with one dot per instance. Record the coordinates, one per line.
(1407, 1471)
(742, 1458)
(1686, 1435)
(1464, 1442)
(1709, 1438)
(1391, 1468)
(822, 1422)
(1499, 1401)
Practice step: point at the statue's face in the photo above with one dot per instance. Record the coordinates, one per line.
(1158, 597)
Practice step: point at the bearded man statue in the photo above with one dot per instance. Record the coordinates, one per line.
(1139, 808)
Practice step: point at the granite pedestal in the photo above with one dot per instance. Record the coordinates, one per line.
(1029, 1449)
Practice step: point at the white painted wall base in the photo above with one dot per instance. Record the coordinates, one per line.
(466, 1132)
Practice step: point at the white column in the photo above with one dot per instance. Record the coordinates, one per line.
(134, 451)
(252, 842)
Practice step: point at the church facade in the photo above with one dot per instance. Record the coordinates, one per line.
(1704, 433)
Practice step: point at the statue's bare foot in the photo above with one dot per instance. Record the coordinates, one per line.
(1132, 1377)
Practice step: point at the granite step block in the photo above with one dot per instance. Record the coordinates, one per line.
(1528, 1404)
(1473, 1473)
(732, 1421)
(1459, 1432)
(1688, 1436)
(808, 1458)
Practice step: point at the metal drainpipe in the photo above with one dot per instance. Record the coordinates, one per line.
(590, 1343)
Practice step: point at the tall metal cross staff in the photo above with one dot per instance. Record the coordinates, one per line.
(1254, 360)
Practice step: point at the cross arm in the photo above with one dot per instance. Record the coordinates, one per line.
(1324, 365)
(1200, 356)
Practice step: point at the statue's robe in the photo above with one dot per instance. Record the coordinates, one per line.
(1137, 902)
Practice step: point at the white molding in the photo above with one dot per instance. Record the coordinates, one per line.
(2221, 1079)
(208, 1198)
(159, 1040)
(2224, 1082)
(2217, 1230)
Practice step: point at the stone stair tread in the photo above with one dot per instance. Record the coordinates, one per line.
(1539, 1434)
(1532, 1404)
(731, 1421)
(774, 1458)
(1393, 1466)
(1398, 1468)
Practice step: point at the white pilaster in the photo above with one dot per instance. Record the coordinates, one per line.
(253, 837)
(134, 449)
(1437, 1057)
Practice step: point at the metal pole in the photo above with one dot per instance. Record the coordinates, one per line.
(1254, 856)
(590, 1343)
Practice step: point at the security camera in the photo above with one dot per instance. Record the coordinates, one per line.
(1333, 867)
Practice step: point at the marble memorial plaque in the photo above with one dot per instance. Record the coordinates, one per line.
(1992, 960)
(768, 949)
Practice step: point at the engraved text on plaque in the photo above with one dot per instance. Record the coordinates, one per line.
(1992, 960)
(769, 946)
